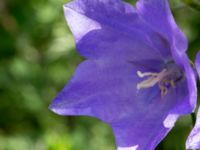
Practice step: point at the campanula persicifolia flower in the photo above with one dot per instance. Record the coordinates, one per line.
(136, 76)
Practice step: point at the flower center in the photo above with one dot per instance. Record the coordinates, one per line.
(165, 79)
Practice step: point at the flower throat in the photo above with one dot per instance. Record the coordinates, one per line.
(166, 78)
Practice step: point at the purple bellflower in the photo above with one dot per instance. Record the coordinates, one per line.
(136, 76)
(193, 141)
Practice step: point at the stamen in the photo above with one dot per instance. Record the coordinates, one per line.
(172, 83)
(152, 80)
(164, 79)
(164, 90)
(147, 83)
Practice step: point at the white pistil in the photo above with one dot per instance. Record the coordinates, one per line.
(160, 78)
(142, 75)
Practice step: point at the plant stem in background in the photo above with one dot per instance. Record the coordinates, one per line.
(193, 116)
(193, 4)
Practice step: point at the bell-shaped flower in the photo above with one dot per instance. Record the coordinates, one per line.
(136, 76)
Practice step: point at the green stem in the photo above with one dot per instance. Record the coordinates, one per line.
(193, 4)
(193, 116)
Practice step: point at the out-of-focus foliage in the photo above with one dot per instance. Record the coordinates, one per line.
(37, 57)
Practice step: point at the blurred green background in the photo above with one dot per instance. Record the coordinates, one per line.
(37, 58)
